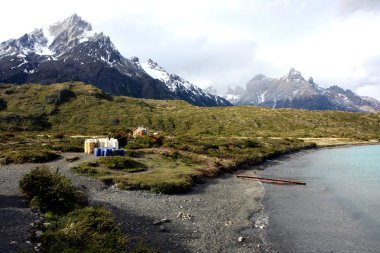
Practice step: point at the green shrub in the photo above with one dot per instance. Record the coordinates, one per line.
(69, 144)
(249, 143)
(120, 163)
(148, 141)
(49, 191)
(89, 169)
(26, 154)
(85, 230)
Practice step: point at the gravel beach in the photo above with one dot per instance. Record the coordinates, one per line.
(222, 215)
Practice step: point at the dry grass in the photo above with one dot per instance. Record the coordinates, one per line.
(329, 142)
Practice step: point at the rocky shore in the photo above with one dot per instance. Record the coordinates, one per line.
(222, 215)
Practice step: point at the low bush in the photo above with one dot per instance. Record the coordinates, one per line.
(148, 141)
(68, 144)
(120, 163)
(90, 169)
(48, 191)
(85, 230)
(32, 155)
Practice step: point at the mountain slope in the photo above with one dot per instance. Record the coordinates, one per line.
(293, 91)
(182, 88)
(78, 108)
(70, 50)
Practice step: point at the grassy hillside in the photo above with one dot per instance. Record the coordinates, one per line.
(37, 122)
(78, 108)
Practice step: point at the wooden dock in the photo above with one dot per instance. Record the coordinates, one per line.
(272, 180)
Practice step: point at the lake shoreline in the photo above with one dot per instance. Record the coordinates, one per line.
(325, 208)
(225, 213)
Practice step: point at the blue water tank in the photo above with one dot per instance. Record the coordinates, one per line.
(98, 151)
(121, 152)
(107, 152)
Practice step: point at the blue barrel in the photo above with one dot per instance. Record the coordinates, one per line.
(121, 152)
(107, 152)
(98, 151)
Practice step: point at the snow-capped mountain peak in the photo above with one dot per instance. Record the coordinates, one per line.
(73, 25)
(69, 50)
(69, 33)
(293, 76)
(180, 86)
(53, 40)
(28, 43)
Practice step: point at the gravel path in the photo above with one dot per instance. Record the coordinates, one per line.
(210, 218)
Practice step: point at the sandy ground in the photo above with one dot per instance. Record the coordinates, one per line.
(222, 215)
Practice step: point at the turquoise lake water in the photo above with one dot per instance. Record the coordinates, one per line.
(339, 208)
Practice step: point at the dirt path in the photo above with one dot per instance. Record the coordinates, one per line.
(210, 218)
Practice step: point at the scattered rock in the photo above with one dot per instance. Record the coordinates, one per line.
(241, 239)
(184, 216)
(163, 228)
(13, 242)
(72, 159)
(157, 222)
(39, 233)
(164, 220)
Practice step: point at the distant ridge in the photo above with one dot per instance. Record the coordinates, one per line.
(293, 91)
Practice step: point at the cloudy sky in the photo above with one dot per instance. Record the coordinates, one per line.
(225, 43)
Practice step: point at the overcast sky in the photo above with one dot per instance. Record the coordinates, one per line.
(225, 43)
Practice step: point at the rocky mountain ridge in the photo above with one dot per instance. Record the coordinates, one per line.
(70, 50)
(293, 91)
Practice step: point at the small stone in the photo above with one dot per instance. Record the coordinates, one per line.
(163, 229)
(241, 239)
(261, 227)
(157, 222)
(164, 220)
(31, 224)
(39, 244)
(28, 242)
(39, 233)
(13, 242)
(46, 224)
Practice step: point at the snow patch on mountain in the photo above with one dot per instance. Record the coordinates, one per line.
(157, 72)
(172, 81)
(180, 86)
